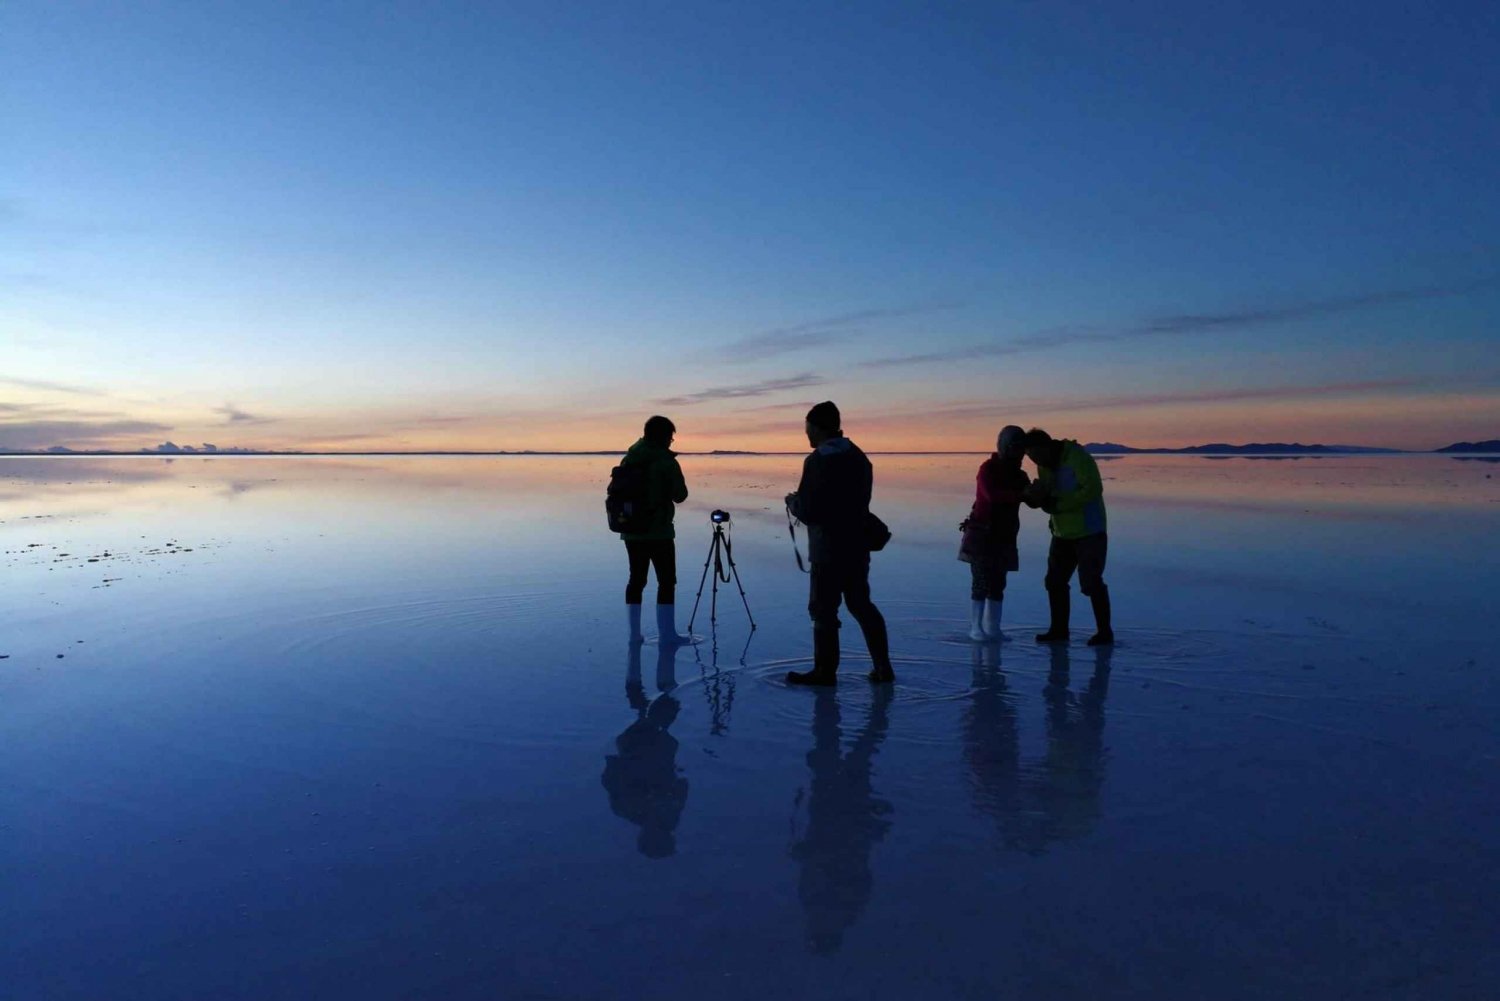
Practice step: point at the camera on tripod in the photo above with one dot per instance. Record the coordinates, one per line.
(720, 552)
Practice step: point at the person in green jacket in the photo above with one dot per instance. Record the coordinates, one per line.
(655, 547)
(1068, 488)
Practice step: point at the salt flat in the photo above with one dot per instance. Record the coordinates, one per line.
(313, 727)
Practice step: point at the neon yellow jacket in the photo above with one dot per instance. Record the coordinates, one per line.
(1077, 492)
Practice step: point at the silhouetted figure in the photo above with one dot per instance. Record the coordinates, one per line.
(833, 501)
(654, 545)
(642, 779)
(1069, 489)
(990, 532)
(845, 820)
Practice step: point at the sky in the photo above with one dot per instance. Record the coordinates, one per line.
(413, 226)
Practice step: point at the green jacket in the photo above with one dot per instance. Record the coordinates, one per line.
(1077, 494)
(665, 489)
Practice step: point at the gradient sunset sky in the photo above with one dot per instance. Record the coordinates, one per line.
(531, 225)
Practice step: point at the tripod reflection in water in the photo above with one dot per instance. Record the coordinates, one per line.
(1058, 797)
(844, 821)
(719, 685)
(644, 784)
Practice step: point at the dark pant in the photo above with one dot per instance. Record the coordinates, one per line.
(987, 580)
(846, 581)
(658, 553)
(1086, 555)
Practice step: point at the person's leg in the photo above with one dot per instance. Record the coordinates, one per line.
(639, 555)
(664, 561)
(994, 602)
(979, 586)
(823, 609)
(1062, 560)
(1093, 552)
(856, 588)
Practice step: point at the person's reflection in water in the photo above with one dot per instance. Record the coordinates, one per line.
(1058, 797)
(845, 820)
(992, 741)
(1065, 789)
(635, 690)
(642, 778)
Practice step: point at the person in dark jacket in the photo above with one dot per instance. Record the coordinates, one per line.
(991, 530)
(833, 501)
(1069, 489)
(656, 546)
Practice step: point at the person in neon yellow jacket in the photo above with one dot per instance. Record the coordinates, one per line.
(1068, 488)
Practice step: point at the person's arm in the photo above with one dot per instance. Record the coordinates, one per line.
(806, 503)
(1038, 494)
(676, 483)
(1087, 485)
(1001, 492)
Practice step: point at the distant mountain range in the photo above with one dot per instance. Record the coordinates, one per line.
(1278, 448)
(1493, 445)
(1490, 447)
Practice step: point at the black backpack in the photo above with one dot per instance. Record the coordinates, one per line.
(625, 501)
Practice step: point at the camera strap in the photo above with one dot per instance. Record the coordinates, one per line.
(790, 530)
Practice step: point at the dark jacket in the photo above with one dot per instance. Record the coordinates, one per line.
(997, 500)
(833, 501)
(665, 489)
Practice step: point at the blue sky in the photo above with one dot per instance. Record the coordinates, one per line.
(525, 225)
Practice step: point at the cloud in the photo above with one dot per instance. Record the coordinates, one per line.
(1019, 408)
(817, 333)
(53, 387)
(30, 435)
(1226, 395)
(762, 388)
(1178, 325)
(234, 415)
(771, 407)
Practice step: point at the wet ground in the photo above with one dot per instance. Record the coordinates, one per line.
(372, 728)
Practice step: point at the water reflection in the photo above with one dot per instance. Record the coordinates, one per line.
(644, 784)
(844, 821)
(719, 685)
(1058, 797)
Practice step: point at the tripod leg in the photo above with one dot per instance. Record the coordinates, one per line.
(713, 544)
(713, 598)
(736, 571)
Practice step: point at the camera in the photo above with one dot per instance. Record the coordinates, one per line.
(719, 517)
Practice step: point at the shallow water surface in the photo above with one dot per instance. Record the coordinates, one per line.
(309, 727)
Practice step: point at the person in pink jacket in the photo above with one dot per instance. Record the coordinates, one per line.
(990, 532)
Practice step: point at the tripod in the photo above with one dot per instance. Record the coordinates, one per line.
(720, 550)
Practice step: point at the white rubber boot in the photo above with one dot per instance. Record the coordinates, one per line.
(633, 612)
(976, 622)
(991, 622)
(666, 626)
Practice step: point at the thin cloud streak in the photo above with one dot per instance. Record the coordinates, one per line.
(234, 415)
(51, 387)
(1020, 407)
(33, 435)
(821, 332)
(1178, 324)
(762, 388)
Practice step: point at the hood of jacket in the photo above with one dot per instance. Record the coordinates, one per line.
(646, 451)
(836, 446)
